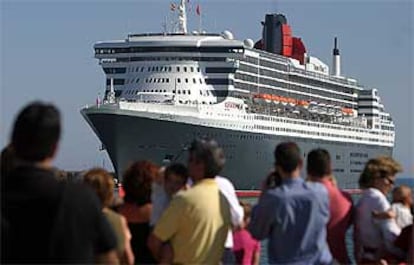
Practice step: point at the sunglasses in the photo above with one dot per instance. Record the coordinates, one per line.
(390, 180)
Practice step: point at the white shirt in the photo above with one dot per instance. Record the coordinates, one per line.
(372, 232)
(237, 213)
(160, 202)
(403, 215)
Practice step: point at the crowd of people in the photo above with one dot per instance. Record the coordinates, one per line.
(189, 214)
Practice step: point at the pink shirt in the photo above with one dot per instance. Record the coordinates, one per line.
(244, 247)
(340, 209)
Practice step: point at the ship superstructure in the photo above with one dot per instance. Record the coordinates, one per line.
(163, 90)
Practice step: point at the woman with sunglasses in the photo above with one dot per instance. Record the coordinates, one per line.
(373, 237)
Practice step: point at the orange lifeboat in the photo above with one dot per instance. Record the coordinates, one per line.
(267, 97)
(284, 101)
(291, 101)
(275, 99)
(303, 104)
(347, 111)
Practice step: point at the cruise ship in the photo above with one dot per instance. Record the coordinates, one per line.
(165, 89)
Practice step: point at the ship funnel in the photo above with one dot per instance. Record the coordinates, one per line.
(336, 62)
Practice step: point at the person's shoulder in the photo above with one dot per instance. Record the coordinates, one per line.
(223, 182)
(80, 194)
(316, 187)
(278, 193)
(398, 206)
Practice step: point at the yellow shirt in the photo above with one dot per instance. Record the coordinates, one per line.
(196, 223)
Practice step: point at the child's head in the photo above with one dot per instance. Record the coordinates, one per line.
(176, 176)
(102, 183)
(402, 194)
(247, 208)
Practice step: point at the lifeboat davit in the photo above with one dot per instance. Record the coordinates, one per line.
(322, 108)
(331, 109)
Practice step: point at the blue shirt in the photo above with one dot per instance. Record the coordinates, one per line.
(293, 217)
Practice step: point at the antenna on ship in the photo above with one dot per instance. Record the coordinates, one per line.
(111, 96)
(182, 17)
(336, 63)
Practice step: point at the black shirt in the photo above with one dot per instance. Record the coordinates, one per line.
(46, 221)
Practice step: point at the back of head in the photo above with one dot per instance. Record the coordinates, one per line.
(137, 182)
(36, 132)
(179, 170)
(7, 161)
(401, 193)
(210, 153)
(380, 167)
(247, 209)
(319, 163)
(288, 157)
(102, 183)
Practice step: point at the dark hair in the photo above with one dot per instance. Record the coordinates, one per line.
(319, 163)
(8, 161)
(36, 132)
(273, 180)
(137, 181)
(210, 153)
(178, 169)
(380, 167)
(287, 156)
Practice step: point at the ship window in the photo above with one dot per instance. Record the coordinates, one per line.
(142, 69)
(136, 70)
(178, 80)
(156, 68)
(194, 81)
(167, 80)
(189, 92)
(169, 69)
(185, 69)
(184, 92)
(201, 93)
(198, 69)
(178, 69)
(137, 80)
(186, 80)
(173, 91)
(179, 91)
(201, 81)
(152, 90)
(149, 69)
(192, 69)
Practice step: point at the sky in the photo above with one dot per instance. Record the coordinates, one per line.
(46, 54)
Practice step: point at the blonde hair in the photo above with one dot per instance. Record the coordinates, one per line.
(103, 184)
(380, 167)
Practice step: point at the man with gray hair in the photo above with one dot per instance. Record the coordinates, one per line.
(197, 221)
